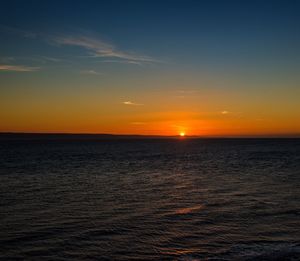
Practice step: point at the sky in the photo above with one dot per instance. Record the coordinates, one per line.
(207, 68)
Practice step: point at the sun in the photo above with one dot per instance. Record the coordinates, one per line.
(182, 134)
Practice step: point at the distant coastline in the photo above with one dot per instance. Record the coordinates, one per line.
(104, 136)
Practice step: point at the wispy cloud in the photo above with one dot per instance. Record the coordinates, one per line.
(122, 61)
(132, 103)
(52, 59)
(100, 48)
(138, 123)
(7, 59)
(17, 31)
(25, 59)
(187, 91)
(91, 72)
(18, 68)
(225, 112)
(94, 46)
(232, 113)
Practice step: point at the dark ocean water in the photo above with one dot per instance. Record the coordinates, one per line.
(234, 199)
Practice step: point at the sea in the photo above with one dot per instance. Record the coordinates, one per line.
(149, 199)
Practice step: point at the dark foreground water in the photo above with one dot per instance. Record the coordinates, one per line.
(150, 199)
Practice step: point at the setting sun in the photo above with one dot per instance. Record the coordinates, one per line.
(182, 134)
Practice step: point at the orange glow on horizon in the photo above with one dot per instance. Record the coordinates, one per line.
(157, 126)
(38, 116)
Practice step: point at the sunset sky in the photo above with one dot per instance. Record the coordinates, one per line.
(208, 68)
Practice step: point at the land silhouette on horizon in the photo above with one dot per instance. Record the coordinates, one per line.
(107, 136)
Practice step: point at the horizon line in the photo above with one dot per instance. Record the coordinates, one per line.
(293, 136)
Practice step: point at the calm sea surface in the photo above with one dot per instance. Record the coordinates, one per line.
(214, 199)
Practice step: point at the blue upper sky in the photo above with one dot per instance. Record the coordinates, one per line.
(213, 33)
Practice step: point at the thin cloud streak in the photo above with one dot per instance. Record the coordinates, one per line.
(100, 48)
(138, 123)
(132, 103)
(95, 46)
(122, 61)
(225, 112)
(187, 91)
(18, 68)
(51, 59)
(91, 72)
(17, 31)
(232, 114)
